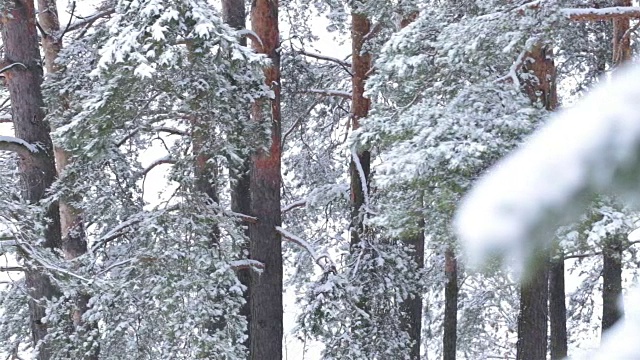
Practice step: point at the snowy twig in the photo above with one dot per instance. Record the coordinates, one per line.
(158, 162)
(254, 265)
(297, 122)
(23, 148)
(90, 20)
(251, 35)
(6, 120)
(246, 218)
(324, 92)
(293, 205)
(328, 264)
(344, 64)
(513, 70)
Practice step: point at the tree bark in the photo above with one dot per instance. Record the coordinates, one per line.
(557, 309)
(451, 306)
(612, 306)
(412, 307)
(265, 242)
(37, 171)
(611, 282)
(234, 14)
(534, 292)
(359, 171)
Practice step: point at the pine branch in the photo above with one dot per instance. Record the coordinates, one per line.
(87, 21)
(323, 260)
(326, 92)
(608, 13)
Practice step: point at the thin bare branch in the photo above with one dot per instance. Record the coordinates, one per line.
(325, 92)
(156, 163)
(87, 21)
(323, 260)
(294, 205)
(343, 63)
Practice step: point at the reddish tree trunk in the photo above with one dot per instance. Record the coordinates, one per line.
(265, 242)
(534, 293)
(557, 309)
(37, 171)
(361, 65)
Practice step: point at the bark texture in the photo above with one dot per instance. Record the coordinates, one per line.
(534, 292)
(412, 307)
(265, 242)
(612, 309)
(361, 65)
(234, 14)
(451, 306)
(557, 309)
(37, 172)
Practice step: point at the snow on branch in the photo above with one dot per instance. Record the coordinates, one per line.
(323, 260)
(343, 63)
(23, 148)
(608, 13)
(294, 205)
(251, 35)
(246, 218)
(254, 265)
(323, 92)
(158, 162)
(590, 149)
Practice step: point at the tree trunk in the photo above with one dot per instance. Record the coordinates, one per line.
(234, 14)
(412, 307)
(74, 242)
(451, 306)
(265, 242)
(612, 309)
(37, 171)
(534, 292)
(359, 171)
(557, 309)
(611, 282)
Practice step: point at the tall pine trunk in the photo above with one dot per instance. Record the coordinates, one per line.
(234, 14)
(37, 170)
(534, 291)
(612, 309)
(265, 242)
(360, 165)
(557, 308)
(451, 305)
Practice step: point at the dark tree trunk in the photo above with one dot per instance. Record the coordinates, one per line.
(611, 282)
(37, 171)
(412, 307)
(532, 320)
(265, 242)
(361, 64)
(451, 306)
(612, 306)
(534, 292)
(234, 14)
(557, 309)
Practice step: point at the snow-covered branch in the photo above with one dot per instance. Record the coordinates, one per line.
(23, 148)
(11, 66)
(608, 13)
(246, 218)
(251, 35)
(323, 260)
(294, 205)
(343, 63)
(326, 92)
(254, 265)
(513, 70)
(158, 162)
(87, 21)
